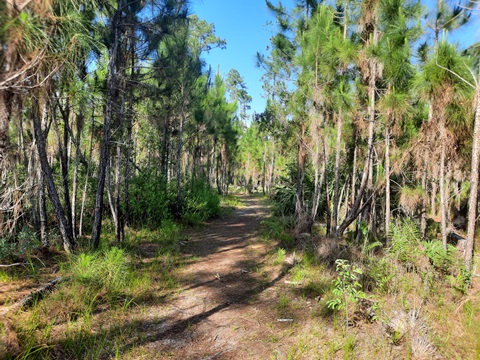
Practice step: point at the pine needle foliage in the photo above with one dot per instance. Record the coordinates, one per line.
(109, 270)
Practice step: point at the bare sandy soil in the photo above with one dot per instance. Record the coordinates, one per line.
(224, 306)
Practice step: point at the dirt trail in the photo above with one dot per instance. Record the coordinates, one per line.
(225, 304)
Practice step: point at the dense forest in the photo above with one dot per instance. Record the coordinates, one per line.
(112, 122)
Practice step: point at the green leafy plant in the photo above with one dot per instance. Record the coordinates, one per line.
(441, 259)
(6, 247)
(200, 202)
(347, 287)
(379, 274)
(150, 200)
(462, 281)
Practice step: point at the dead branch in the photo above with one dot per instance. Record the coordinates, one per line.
(30, 299)
(10, 265)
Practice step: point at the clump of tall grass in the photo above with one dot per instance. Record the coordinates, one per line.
(109, 270)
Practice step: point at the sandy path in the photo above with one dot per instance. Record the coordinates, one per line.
(224, 305)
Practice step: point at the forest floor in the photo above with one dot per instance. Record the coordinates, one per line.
(235, 295)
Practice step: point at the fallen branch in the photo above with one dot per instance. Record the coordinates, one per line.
(36, 295)
(10, 265)
(293, 282)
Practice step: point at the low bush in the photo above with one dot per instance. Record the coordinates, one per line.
(200, 202)
(150, 200)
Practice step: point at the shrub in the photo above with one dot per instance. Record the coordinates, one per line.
(6, 248)
(200, 202)
(442, 260)
(150, 200)
(284, 200)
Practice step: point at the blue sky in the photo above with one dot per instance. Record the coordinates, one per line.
(242, 23)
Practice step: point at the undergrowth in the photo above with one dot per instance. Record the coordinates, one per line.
(404, 295)
(111, 283)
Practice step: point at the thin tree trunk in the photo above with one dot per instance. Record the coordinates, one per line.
(354, 169)
(443, 200)
(354, 211)
(347, 199)
(118, 210)
(264, 178)
(63, 155)
(337, 171)
(387, 183)
(41, 201)
(472, 199)
(179, 154)
(433, 199)
(5, 111)
(211, 175)
(108, 186)
(80, 121)
(328, 213)
(271, 182)
(423, 223)
(84, 195)
(64, 226)
(166, 140)
(317, 182)
(109, 111)
(301, 221)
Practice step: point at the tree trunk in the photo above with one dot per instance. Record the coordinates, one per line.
(387, 182)
(211, 175)
(5, 111)
(64, 226)
(271, 181)
(41, 203)
(84, 194)
(354, 168)
(63, 156)
(423, 223)
(264, 177)
(337, 171)
(433, 199)
(443, 200)
(319, 177)
(301, 221)
(166, 140)
(472, 199)
(80, 121)
(118, 211)
(179, 154)
(109, 114)
(354, 211)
